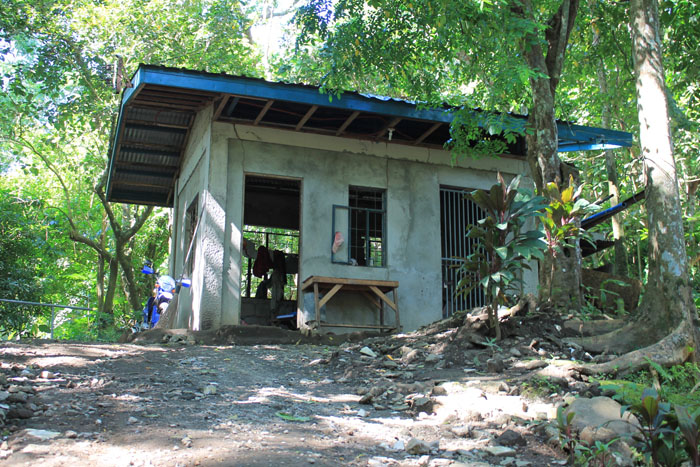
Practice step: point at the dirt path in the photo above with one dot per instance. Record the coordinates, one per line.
(266, 405)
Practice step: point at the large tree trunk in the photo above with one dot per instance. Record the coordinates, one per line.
(122, 237)
(100, 282)
(108, 305)
(560, 276)
(667, 322)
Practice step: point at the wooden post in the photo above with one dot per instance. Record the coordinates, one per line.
(317, 308)
(396, 310)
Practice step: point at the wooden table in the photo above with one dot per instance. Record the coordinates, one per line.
(374, 290)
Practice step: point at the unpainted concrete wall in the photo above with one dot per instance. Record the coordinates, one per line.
(326, 166)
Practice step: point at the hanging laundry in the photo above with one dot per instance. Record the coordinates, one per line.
(277, 290)
(263, 263)
(337, 242)
(279, 264)
(249, 249)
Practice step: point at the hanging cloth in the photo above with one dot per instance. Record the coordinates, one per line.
(262, 262)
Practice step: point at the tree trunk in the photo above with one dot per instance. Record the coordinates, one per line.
(100, 283)
(121, 240)
(130, 287)
(667, 322)
(560, 276)
(108, 306)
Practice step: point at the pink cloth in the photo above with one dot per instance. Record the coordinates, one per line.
(337, 242)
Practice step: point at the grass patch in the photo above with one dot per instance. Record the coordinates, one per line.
(676, 385)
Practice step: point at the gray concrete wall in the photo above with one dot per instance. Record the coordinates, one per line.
(220, 155)
(327, 166)
(190, 184)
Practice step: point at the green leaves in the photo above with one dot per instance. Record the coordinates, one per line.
(563, 215)
(292, 418)
(504, 243)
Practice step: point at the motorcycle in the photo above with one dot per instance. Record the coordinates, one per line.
(164, 291)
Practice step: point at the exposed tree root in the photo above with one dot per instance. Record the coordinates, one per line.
(624, 339)
(593, 328)
(674, 349)
(527, 302)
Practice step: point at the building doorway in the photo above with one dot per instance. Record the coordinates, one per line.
(270, 259)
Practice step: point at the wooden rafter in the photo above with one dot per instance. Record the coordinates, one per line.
(263, 111)
(306, 117)
(426, 133)
(347, 123)
(392, 124)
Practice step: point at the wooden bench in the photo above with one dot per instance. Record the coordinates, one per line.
(374, 290)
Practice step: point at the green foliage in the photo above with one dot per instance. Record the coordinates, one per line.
(567, 437)
(56, 112)
(539, 387)
(504, 243)
(658, 436)
(677, 384)
(669, 414)
(24, 254)
(668, 435)
(581, 454)
(467, 54)
(478, 134)
(561, 223)
(595, 297)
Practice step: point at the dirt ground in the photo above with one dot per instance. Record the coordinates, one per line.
(249, 396)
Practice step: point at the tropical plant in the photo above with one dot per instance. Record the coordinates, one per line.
(504, 244)
(562, 231)
(658, 435)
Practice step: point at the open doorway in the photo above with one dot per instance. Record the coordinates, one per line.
(270, 260)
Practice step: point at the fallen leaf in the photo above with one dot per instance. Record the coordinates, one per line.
(292, 418)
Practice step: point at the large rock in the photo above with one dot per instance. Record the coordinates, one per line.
(601, 412)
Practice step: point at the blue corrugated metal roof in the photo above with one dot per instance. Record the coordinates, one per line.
(157, 112)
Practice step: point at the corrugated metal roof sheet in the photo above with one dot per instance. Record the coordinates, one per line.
(156, 117)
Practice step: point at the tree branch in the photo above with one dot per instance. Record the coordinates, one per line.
(99, 189)
(27, 144)
(557, 35)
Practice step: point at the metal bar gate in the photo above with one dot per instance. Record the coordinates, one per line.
(456, 214)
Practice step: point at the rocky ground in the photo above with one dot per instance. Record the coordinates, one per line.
(249, 396)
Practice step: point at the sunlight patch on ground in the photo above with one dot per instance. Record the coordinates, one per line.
(264, 395)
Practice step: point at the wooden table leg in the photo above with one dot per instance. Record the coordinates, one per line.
(396, 310)
(381, 313)
(317, 308)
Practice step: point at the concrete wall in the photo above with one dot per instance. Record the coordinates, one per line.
(220, 155)
(327, 166)
(190, 184)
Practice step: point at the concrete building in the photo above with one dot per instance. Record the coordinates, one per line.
(354, 188)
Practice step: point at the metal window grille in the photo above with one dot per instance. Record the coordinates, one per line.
(367, 226)
(191, 218)
(456, 214)
(273, 239)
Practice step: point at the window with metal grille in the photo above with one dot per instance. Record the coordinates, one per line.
(191, 221)
(367, 226)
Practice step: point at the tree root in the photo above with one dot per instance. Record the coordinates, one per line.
(674, 349)
(593, 328)
(527, 302)
(624, 339)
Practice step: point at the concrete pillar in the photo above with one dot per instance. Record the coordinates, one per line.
(234, 151)
(213, 241)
